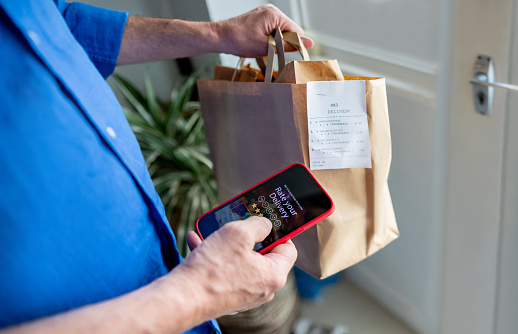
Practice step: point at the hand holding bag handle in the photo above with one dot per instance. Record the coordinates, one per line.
(275, 43)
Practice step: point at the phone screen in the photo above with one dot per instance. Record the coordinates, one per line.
(289, 199)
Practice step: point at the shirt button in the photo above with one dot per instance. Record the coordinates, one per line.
(111, 132)
(34, 36)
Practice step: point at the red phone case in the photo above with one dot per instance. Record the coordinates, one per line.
(291, 234)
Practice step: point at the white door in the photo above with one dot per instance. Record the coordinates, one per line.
(453, 178)
(478, 294)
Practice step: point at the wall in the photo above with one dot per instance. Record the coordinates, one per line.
(225, 9)
(164, 74)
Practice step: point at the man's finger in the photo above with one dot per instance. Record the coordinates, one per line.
(193, 240)
(283, 254)
(288, 24)
(259, 226)
(308, 42)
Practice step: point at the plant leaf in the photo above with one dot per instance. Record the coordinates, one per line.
(152, 102)
(174, 146)
(200, 156)
(133, 97)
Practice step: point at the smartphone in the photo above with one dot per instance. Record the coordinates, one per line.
(291, 199)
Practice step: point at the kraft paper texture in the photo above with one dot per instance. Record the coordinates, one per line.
(255, 129)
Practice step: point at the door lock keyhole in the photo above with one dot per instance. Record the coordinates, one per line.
(481, 98)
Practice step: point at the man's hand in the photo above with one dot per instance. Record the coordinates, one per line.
(247, 34)
(221, 276)
(228, 275)
(148, 39)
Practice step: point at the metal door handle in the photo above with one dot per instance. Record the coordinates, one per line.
(483, 82)
(481, 79)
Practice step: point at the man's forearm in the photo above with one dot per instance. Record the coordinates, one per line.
(168, 305)
(222, 275)
(149, 39)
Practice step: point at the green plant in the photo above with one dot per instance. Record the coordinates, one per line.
(173, 142)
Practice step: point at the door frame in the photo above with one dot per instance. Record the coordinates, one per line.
(507, 295)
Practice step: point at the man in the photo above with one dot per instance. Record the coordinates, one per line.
(84, 243)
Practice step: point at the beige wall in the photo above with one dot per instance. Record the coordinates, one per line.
(164, 74)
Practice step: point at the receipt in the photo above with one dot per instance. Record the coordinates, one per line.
(337, 125)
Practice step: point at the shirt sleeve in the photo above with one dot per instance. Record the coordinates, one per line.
(98, 30)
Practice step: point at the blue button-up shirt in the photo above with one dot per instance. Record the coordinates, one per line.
(80, 221)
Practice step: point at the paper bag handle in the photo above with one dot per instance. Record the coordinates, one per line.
(275, 44)
(240, 63)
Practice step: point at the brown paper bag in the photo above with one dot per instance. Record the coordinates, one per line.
(255, 129)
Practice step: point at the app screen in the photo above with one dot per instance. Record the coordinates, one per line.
(289, 200)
